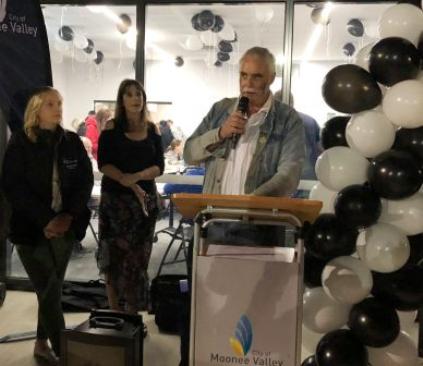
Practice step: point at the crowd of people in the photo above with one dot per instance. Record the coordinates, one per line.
(48, 177)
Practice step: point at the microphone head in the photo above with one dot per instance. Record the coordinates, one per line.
(243, 104)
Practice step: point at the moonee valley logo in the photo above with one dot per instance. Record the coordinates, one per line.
(243, 338)
(3, 4)
(241, 344)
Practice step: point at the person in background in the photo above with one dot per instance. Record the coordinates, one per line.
(166, 133)
(47, 179)
(89, 148)
(130, 156)
(313, 146)
(176, 131)
(173, 154)
(94, 126)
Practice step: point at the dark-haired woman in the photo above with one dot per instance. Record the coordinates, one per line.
(130, 156)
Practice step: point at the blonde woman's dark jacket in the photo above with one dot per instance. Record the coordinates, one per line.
(27, 182)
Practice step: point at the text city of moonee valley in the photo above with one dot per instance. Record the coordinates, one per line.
(255, 360)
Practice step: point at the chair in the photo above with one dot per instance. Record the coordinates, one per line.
(183, 233)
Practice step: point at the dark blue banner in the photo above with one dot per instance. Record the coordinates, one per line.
(24, 56)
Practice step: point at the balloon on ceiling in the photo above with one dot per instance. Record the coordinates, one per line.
(124, 24)
(348, 49)
(355, 27)
(370, 181)
(66, 33)
(214, 30)
(99, 58)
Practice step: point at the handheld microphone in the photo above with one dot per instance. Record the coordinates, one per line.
(243, 108)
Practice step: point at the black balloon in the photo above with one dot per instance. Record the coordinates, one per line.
(66, 33)
(411, 140)
(179, 61)
(333, 132)
(341, 348)
(358, 206)
(374, 323)
(218, 63)
(329, 238)
(402, 289)
(313, 268)
(100, 57)
(394, 59)
(348, 49)
(223, 56)
(206, 20)
(395, 174)
(195, 23)
(225, 46)
(416, 250)
(355, 27)
(350, 89)
(89, 49)
(310, 361)
(219, 23)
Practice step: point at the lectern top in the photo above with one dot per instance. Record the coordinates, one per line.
(190, 204)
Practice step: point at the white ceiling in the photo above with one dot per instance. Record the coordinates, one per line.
(168, 26)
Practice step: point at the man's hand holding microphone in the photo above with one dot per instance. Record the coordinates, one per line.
(235, 124)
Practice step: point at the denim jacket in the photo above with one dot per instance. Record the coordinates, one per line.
(275, 168)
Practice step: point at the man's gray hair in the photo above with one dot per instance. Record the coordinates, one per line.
(262, 52)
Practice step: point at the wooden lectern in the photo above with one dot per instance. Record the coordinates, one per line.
(246, 304)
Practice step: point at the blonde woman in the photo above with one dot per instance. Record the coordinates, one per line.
(130, 156)
(47, 179)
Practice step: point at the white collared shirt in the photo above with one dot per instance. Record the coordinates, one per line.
(239, 159)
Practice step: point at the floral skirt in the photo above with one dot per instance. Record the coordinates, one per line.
(125, 243)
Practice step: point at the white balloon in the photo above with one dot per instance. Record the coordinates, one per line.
(383, 248)
(321, 314)
(80, 41)
(402, 20)
(405, 214)
(193, 43)
(347, 280)
(403, 104)
(341, 166)
(309, 341)
(362, 57)
(80, 56)
(320, 193)
(62, 46)
(371, 29)
(264, 14)
(227, 33)
(209, 38)
(401, 352)
(370, 133)
(92, 55)
(407, 319)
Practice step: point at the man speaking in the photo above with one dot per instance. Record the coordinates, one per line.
(259, 150)
(250, 145)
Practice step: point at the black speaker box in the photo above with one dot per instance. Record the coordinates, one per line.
(107, 338)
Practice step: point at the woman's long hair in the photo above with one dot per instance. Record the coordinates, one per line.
(121, 120)
(31, 120)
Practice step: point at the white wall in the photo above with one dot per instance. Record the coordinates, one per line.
(82, 83)
(192, 89)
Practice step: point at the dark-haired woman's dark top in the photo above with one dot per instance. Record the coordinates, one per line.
(129, 156)
(126, 233)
